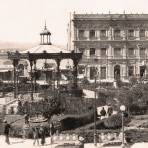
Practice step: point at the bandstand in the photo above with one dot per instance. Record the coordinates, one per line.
(33, 57)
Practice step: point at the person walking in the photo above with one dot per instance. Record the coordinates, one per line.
(42, 134)
(110, 111)
(35, 135)
(6, 131)
(26, 119)
(102, 112)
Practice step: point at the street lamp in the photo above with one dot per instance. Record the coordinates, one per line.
(95, 107)
(122, 108)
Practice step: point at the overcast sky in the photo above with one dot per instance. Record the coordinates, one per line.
(23, 20)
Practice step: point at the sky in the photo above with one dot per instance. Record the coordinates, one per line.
(23, 20)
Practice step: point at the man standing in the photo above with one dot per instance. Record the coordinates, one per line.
(42, 134)
(6, 132)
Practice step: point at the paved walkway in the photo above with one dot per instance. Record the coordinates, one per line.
(28, 143)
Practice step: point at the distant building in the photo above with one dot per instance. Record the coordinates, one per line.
(113, 45)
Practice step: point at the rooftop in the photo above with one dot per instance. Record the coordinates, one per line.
(110, 16)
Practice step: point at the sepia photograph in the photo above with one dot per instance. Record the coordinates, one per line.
(74, 73)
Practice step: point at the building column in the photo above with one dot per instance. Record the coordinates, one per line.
(124, 71)
(109, 52)
(138, 69)
(137, 34)
(112, 33)
(138, 52)
(98, 34)
(87, 34)
(124, 51)
(110, 72)
(87, 53)
(88, 72)
(98, 53)
(76, 33)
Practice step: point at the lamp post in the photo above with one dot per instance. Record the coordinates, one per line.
(95, 108)
(122, 108)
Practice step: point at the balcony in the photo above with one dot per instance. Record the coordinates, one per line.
(103, 38)
(118, 56)
(118, 38)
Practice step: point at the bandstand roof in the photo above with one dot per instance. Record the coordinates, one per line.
(47, 48)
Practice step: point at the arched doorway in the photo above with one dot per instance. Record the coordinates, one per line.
(117, 71)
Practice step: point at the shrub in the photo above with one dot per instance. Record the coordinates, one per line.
(115, 121)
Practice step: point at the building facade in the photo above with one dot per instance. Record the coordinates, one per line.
(113, 45)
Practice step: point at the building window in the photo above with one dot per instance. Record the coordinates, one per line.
(130, 71)
(81, 34)
(103, 72)
(81, 69)
(131, 33)
(92, 72)
(92, 52)
(142, 52)
(117, 34)
(117, 52)
(92, 34)
(103, 34)
(142, 33)
(103, 52)
(131, 52)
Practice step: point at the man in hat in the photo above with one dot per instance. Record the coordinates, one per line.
(42, 134)
(6, 131)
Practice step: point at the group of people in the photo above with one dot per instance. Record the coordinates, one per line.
(38, 132)
(108, 113)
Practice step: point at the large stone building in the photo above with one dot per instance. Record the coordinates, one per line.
(113, 44)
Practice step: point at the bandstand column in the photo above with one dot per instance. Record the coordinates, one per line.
(31, 73)
(47, 39)
(35, 75)
(75, 72)
(41, 39)
(15, 63)
(58, 71)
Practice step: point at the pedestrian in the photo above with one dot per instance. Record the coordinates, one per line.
(81, 141)
(35, 135)
(6, 131)
(103, 112)
(110, 111)
(26, 119)
(42, 134)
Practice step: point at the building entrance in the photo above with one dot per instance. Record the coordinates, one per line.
(142, 71)
(117, 72)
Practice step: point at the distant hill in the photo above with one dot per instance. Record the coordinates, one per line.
(13, 46)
